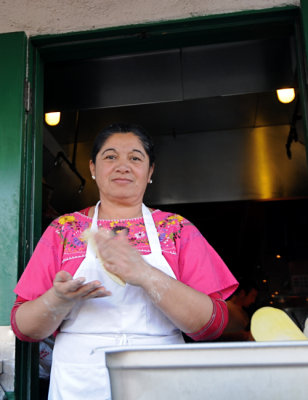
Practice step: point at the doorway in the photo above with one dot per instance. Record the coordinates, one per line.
(230, 156)
(213, 134)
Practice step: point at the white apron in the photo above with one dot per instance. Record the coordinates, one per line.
(128, 317)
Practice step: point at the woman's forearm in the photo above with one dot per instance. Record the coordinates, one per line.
(187, 308)
(39, 318)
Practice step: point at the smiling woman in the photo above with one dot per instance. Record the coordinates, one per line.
(122, 167)
(175, 281)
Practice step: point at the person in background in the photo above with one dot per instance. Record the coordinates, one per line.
(238, 327)
(174, 280)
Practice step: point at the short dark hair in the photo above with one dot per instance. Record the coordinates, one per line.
(112, 129)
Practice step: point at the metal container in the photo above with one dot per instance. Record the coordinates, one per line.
(215, 371)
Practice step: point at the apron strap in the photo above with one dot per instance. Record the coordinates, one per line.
(94, 227)
(151, 230)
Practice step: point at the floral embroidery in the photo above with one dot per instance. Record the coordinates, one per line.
(67, 218)
(70, 227)
(139, 235)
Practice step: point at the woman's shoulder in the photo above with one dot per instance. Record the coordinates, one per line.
(72, 221)
(170, 218)
(66, 231)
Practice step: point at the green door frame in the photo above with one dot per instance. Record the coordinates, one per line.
(20, 180)
(15, 180)
(26, 361)
(12, 143)
(83, 45)
(12, 128)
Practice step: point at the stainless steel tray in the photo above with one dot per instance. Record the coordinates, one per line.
(215, 371)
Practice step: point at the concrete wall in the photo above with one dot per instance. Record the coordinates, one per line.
(36, 17)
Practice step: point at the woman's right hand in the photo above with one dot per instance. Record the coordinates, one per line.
(69, 289)
(39, 318)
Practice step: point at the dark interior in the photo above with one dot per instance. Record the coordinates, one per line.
(230, 157)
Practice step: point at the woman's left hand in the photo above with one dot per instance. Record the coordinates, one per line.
(120, 258)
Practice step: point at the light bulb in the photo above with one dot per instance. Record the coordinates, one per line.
(52, 118)
(286, 95)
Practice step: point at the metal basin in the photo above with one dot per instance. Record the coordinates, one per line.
(215, 371)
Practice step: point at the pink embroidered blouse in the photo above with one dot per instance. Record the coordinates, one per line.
(190, 256)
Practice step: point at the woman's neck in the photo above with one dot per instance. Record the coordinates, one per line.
(118, 211)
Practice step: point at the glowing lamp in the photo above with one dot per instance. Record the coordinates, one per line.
(52, 118)
(286, 95)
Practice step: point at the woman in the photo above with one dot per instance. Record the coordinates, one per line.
(174, 280)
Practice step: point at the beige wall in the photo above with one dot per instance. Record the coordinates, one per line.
(36, 17)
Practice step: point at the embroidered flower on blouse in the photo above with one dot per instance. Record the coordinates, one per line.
(77, 242)
(67, 218)
(139, 235)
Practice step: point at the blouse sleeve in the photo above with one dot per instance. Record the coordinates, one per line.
(18, 302)
(44, 264)
(200, 267)
(216, 324)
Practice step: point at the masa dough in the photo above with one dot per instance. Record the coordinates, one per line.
(88, 236)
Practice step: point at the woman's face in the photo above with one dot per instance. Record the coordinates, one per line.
(122, 169)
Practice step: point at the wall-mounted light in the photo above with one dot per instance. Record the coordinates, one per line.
(52, 118)
(286, 95)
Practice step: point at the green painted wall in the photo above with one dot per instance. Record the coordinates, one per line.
(12, 76)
